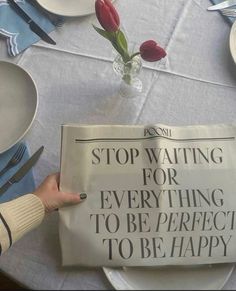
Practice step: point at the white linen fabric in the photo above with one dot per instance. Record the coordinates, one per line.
(194, 84)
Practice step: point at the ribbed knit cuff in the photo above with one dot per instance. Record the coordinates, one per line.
(22, 215)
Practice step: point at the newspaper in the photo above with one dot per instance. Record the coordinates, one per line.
(157, 195)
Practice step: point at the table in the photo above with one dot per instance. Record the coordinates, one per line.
(195, 84)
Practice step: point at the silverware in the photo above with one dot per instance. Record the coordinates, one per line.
(229, 12)
(22, 171)
(32, 25)
(16, 158)
(222, 5)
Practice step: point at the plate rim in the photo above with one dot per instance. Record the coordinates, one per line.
(64, 14)
(106, 271)
(36, 104)
(232, 41)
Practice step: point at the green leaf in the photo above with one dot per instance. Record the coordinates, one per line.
(118, 41)
(122, 40)
(106, 34)
(122, 46)
(117, 48)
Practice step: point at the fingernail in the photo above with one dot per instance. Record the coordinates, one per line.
(83, 196)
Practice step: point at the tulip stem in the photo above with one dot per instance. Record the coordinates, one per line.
(134, 55)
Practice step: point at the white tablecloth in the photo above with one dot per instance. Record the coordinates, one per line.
(195, 84)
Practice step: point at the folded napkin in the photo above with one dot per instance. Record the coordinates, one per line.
(228, 19)
(17, 31)
(26, 185)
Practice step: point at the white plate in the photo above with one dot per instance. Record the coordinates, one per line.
(18, 104)
(232, 41)
(204, 277)
(69, 7)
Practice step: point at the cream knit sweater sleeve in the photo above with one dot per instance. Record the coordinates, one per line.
(18, 217)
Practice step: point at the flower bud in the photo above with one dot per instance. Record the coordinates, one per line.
(150, 51)
(107, 15)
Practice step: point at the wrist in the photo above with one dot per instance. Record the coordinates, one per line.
(42, 201)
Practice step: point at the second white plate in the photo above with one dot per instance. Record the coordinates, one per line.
(69, 7)
(232, 41)
(204, 277)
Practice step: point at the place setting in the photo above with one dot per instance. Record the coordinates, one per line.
(19, 103)
(157, 193)
(35, 20)
(228, 10)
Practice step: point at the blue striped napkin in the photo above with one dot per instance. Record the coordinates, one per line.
(26, 185)
(16, 30)
(230, 20)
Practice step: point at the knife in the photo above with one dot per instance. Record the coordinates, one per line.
(222, 5)
(32, 25)
(22, 171)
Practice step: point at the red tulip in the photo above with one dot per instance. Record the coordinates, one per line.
(107, 15)
(150, 51)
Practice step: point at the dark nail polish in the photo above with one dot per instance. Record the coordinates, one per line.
(83, 196)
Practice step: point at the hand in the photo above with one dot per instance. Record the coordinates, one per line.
(52, 198)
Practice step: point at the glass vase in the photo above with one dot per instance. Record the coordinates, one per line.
(130, 86)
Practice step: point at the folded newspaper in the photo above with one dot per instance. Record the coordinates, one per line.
(157, 195)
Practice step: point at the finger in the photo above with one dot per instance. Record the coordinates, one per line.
(72, 199)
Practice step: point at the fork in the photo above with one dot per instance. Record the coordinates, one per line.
(230, 12)
(16, 158)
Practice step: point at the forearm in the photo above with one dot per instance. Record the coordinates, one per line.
(19, 217)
